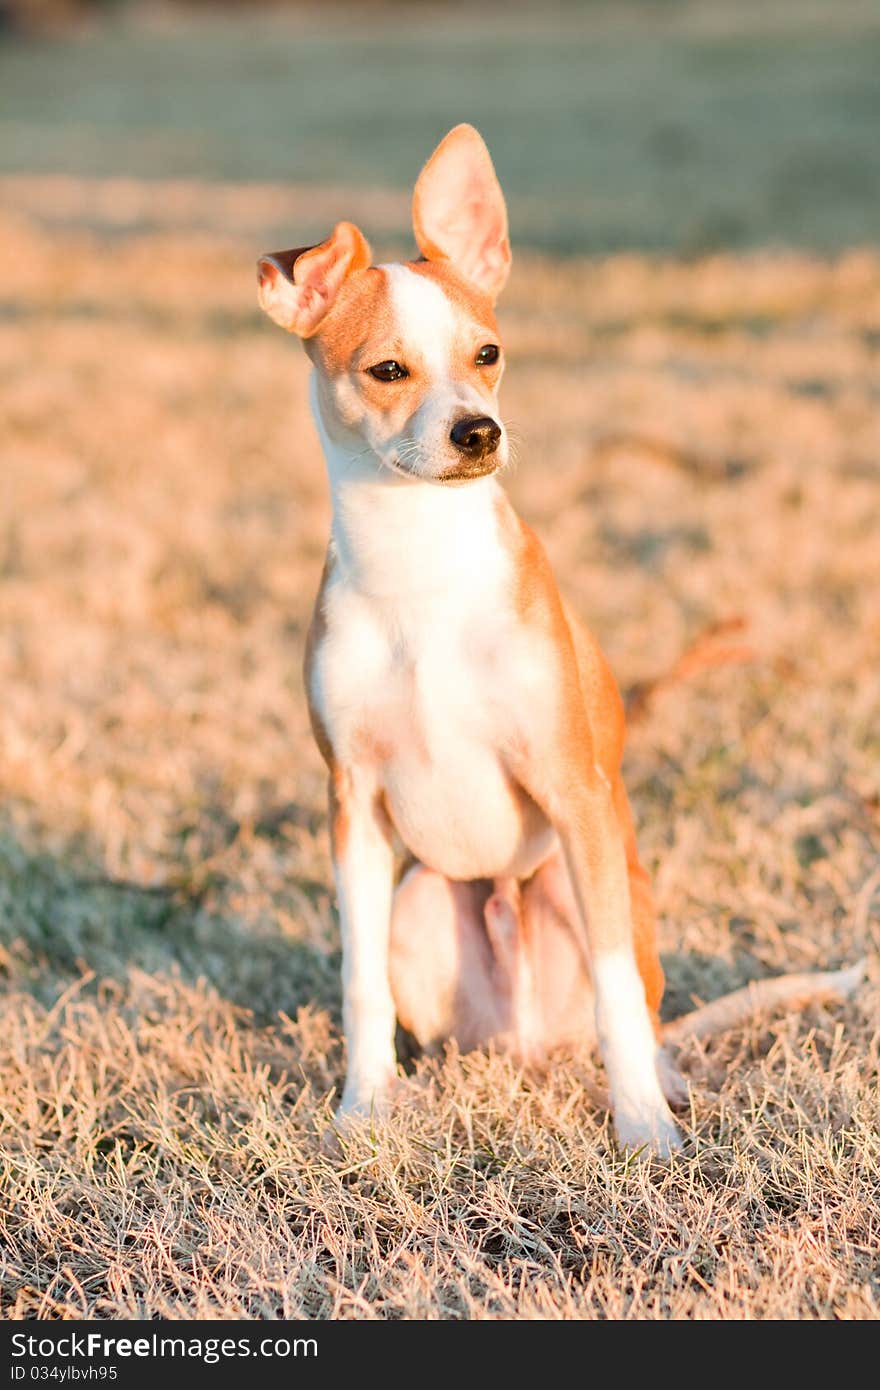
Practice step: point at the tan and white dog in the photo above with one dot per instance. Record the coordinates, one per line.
(456, 700)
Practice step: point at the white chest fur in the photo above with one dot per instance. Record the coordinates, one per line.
(417, 676)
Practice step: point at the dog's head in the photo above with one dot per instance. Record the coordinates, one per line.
(408, 356)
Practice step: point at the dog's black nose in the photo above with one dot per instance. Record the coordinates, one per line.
(476, 436)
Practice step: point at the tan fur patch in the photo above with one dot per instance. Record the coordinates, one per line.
(588, 687)
(360, 331)
(362, 310)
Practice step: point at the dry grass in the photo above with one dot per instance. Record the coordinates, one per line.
(700, 442)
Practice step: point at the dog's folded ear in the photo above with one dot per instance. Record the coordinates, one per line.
(298, 288)
(459, 212)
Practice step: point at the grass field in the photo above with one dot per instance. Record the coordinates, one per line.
(700, 444)
(675, 125)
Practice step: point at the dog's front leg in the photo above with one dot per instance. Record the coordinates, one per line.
(363, 867)
(593, 846)
(577, 799)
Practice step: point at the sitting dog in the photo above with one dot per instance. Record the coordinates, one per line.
(458, 703)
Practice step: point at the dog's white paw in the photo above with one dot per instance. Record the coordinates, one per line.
(651, 1134)
(362, 1098)
(359, 1103)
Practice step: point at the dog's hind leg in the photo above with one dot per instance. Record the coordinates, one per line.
(460, 963)
(508, 929)
(442, 967)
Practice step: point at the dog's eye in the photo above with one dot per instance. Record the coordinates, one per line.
(388, 371)
(487, 356)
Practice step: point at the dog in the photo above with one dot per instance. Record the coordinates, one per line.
(461, 708)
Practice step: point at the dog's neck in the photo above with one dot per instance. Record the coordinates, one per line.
(397, 538)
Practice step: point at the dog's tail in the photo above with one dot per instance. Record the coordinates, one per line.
(723, 643)
(762, 996)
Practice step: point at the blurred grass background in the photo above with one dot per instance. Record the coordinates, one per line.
(650, 124)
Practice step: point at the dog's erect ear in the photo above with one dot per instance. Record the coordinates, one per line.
(459, 213)
(297, 288)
